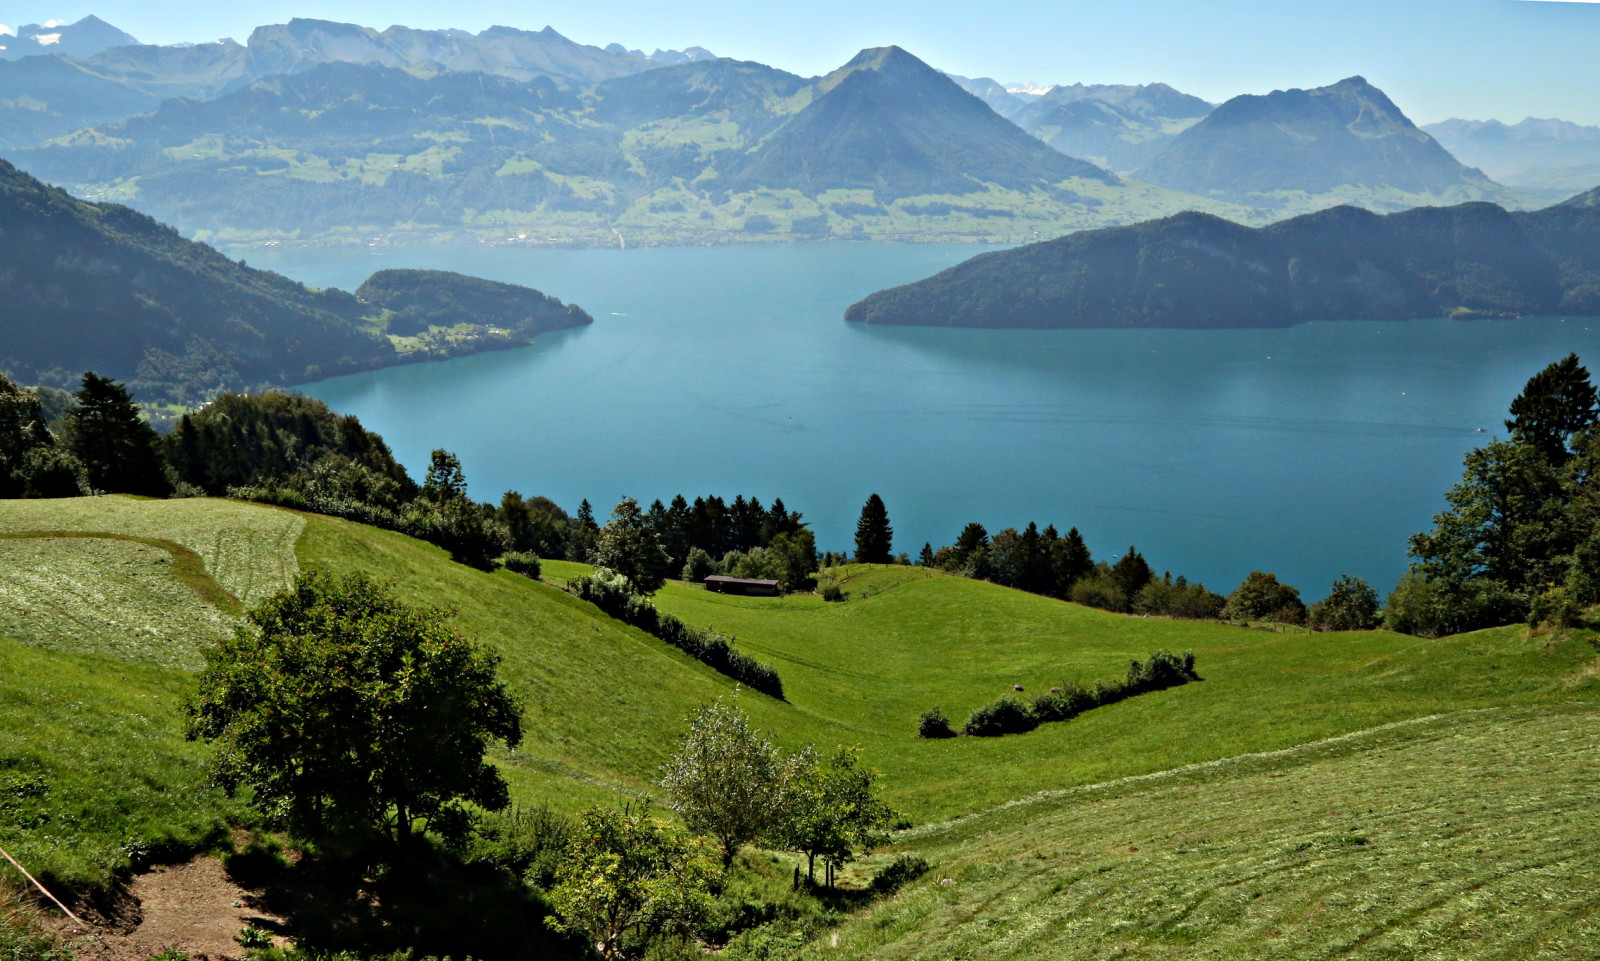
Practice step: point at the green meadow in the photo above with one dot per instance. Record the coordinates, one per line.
(1310, 791)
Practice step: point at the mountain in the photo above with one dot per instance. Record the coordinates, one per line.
(1118, 126)
(702, 152)
(197, 70)
(105, 288)
(1546, 157)
(85, 38)
(45, 97)
(503, 51)
(1198, 271)
(889, 123)
(1294, 150)
(994, 93)
(664, 58)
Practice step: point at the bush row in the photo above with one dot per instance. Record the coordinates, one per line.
(615, 594)
(1011, 714)
(457, 526)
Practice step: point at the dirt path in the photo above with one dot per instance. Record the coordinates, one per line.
(191, 907)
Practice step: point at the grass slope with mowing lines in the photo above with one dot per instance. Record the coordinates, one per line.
(121, 596)
(249, 551)
(1467, 835)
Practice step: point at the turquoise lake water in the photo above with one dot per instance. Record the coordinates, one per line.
(1308, 451)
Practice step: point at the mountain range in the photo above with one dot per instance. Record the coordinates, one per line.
(1118, 126)
(885, 147)
(1198, 271)
(105, 288)
(316, 131)
(1546, 157)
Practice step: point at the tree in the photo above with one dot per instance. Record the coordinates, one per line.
(1351, 605)
(1071, 562)
(351, 715)
(120, 453)
(832, 808)
(973, 538)
(1557, 403)
(874, 536)
(628, 545)
(584, 533)
(446, 481)
(1132, 572)
(1260, 597)
(629, 879)
(925, 559)
(725, 780)
(31, 465)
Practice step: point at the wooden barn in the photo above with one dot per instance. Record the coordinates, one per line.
(751, 586)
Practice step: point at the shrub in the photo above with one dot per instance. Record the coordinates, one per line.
(1555, 607)
(1008, 715)
(1262, 598)
(616, 596)
(1351, 605)
(900, 872)
(522, 562)
(934, 723)
(1062, 704)
(698, 566)
(528, 843)
(1099, 590)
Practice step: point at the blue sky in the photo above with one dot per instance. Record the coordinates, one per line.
(1504, 59)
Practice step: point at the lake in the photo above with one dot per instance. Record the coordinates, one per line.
(1308, 451)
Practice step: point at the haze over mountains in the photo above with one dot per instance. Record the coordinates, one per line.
(1551, 158)
(315, 130)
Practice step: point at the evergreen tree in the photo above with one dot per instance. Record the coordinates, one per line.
(925, 559)
(1556, 403)
(972, 539)
(119, 451)
(1071, 562)
(1132, 572)
(874, 536)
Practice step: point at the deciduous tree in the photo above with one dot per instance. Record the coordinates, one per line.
(629, 879)
(351, 715)
(725, 779)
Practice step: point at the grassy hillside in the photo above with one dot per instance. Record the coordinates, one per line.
(1463, 836)
(862, 672)
(91, 750)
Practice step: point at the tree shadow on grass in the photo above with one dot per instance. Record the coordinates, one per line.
(433, 904)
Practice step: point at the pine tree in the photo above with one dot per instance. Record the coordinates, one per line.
(874, 536)
(119, 451)
(1556, 403)
(925, 559)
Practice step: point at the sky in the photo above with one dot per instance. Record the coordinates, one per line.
(1476, 59)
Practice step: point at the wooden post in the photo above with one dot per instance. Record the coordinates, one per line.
(42, 888)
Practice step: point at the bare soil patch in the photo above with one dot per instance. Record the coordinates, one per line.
(191, 907)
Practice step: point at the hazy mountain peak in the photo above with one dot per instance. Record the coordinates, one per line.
(85, 38)
(1347, 141)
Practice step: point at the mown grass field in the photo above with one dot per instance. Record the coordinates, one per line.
(1465, 836)
(93, 768)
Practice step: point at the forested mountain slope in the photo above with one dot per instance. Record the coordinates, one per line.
(1198, 271)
